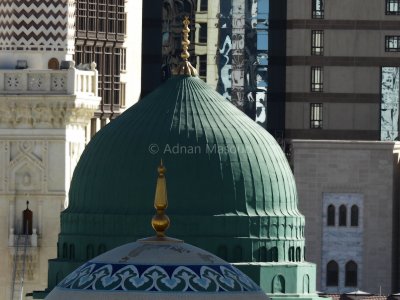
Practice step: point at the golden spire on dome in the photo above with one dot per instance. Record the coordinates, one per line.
(185, 68)
(160, 221)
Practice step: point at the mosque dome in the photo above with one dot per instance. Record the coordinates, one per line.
(228, 176)
(234, 192)
(156, 269)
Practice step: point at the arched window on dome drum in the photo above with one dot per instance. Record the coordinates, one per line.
(101, 249)
(332, 273)
(72, 251)
(331, 215)
(263, 254)
(298, 254)
(342, 215)
(89, 252)
(274, 254)
(238, 254)
(223, 252)
(354, 216)
(59, 277)
(65, 251)
(291, 253)
(351, 274)
(278, 284)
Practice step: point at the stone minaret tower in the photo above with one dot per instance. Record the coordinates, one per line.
(45, 107)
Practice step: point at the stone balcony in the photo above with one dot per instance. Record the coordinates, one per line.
(30, 81)
(32, 98)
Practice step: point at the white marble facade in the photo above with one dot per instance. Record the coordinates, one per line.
(44, 116)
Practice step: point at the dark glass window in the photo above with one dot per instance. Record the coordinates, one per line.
(354, 216)
(342, 215)
(317, 9)
(393, 7)
(203, 5)
(351, 274)
(317, 42)
(203, 33)
(332, 273)
(331, 215)
(317, 83)
(202, 68)
(316, 115)
(392, 43)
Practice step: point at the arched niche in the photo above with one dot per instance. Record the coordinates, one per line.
(278, 284)
(53, 64)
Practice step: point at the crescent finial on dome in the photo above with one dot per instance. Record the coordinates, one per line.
(160, 221)
(185, 67)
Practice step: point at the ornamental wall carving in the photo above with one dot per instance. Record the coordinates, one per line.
(42, 114)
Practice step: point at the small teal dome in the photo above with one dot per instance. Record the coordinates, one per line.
(154, 269)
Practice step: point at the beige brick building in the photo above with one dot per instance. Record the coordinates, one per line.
(334, 177)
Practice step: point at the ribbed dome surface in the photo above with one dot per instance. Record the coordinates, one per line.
(230, 188)
(219, 161)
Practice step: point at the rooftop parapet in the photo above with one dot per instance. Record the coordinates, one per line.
(65, 82)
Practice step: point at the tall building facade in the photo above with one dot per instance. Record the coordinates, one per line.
(342, 73)
(101, 36)
(349, 194)
(230, 49)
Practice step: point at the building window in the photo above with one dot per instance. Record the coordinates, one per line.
(392, 43)
(203, 33)
(354, 216)
(316, 116)
(102, 16)
(393, 7)
(202, 67)
(317, 42)
(27, 217)
(332, 273)
(316, 79)
(317, 9)
(203, 5)
(122, 95)
(331, 215)
(342, 215)
(351, 274)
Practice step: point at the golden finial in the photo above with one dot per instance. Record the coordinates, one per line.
(160, 221)
(185, 68)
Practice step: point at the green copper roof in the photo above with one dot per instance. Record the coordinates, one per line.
(230, 188)
(218, 160)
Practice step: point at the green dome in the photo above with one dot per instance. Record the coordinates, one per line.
(230, 188)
